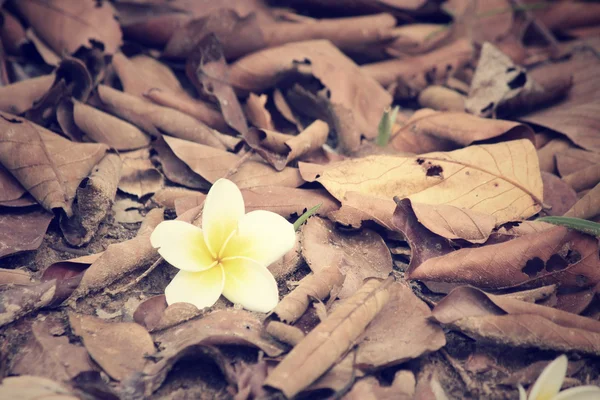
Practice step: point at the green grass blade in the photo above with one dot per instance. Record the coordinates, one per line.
(302, 219)
(578, 224)
(386, 124)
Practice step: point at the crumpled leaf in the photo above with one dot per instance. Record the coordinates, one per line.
(27, 387)
(120, 348)
(516, 323)
(462, 178)
(559, 197)
(20, 96)
(445, 131)
(400, 332)
(588, 206)
(47, 165)
(48, 355)
(257, 113)
(358, 255)
(154, 314)
(22, 229)
(65, 26)
(318, 285)
(321, 348)
(555, 255)
(139, 177)
(355, 101)
(279, 149)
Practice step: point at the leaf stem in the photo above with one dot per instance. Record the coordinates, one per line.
(302, 219)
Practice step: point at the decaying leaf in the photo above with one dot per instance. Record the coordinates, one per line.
(358, 255)
(510, 188)
(139, 177)
(359, 207)
(319, 285)
(517, 323)
(21, 300)
(22, 229)
(588, 206)
(49, 166)
(27, 387)
(571, 160)
(257, 113)
(48, 355)
(120, 348)
(559, 197)
(20, 96)
(154, 314)
(321, 348)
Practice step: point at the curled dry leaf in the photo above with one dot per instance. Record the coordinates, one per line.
(175, 169)
(285, 333)
(322, 347)
(20, 96)
(555, 255)
(584, 179)
(588, 206)
(400, 332)
(212, 164)
(65, 26)
(358, 255)
(120, 348)
(445, 131)
(49, 166)
(279, 149)
(441, 98)
(257, 112)
(139, 177)
(338, 378)
(166, 197)
(14, 276)
(559, 197)
(50, 356)
(354, 101)
(402, 388)
(509, 189)
(22, 229)
(27, 387)
(513, 322)
(95, 196)
(11, 190)
(548, 153)
(227, 327)
(318, 285)
(154, 314)
(571, 160)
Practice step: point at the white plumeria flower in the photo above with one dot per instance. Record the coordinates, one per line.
(228, 256)
(547, 386)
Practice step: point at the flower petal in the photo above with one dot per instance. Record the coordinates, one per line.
(250, 284)
(588, 392)
(223, 208)
(262, 236)
(182, 245)
(201, 289)
(522, 392)
(550, 380)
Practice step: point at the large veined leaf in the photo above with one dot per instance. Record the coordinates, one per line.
(502, 179)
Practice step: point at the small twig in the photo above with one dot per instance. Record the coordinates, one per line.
(233, 170)
(136, 280)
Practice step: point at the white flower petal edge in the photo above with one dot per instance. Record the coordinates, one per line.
(250, 284)
(522, 392)
(588, 392)
(201, 289)
(550, 380)
(223, 208)
(182, 245)
(262, 236)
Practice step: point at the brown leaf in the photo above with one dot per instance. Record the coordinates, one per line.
(14, 276)
(441, 98)
(548, 154)
(128, 211)
(402, 388)
(257, 112)
(120, 348)
(95, 196)
(445, 131)
(175, 169)
(47, 165)
(588, 206)
(207, 69)
(20, 96)
(417, 38)
(154, 314)
(21, 300)
(166, 197)
(390, 338)
(354, 102)
(559, 197)
(462, 178)
(358, 255)
(359, 207)
(571, 160)
(22, 229)
(249, 380)
(212, 164)
(34, 388)
(585, 178)
(51, 356)
(12, 33)
(66, 26)
(11, 189)
(321, 348)
(317, 285)
(139, 177)
(279, 149)
(556, 255)
(516, 323)
(285, 333)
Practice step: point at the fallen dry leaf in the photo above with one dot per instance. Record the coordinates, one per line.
(175, 169)
(516, 323)
(359, 207)
(128, 211)
(22, 229)
(14, 276)
(49, 355)
(441, 98)
(588, 206)
(49, 166)
(139, 177)
(358, 255)
(390, 338)
(583, 179)
(285, 333)
(321, 348)
(27, 387)
(559, 197)
(318, 285)
(21, 300)
(129, 345)
(20, 96)
(571, 160)
(279, 149)
(402, 388)
(548, 154)
(66, 26)
(355, 101)
(154, 314)
(257, 113)
(510, 189)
